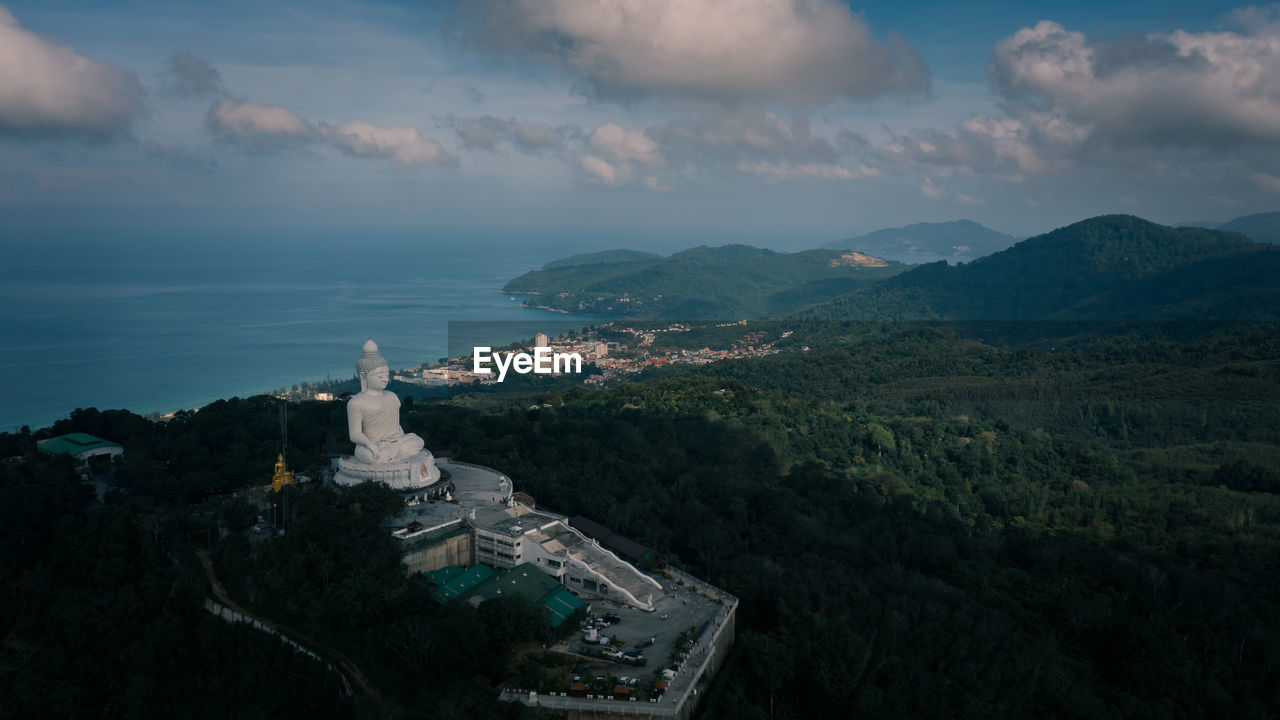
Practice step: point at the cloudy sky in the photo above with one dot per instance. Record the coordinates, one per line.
(644, 123)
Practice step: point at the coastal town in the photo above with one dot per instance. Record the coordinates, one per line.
(609, 353)
(613, 352)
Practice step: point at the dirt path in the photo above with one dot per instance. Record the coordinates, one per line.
(344, 664)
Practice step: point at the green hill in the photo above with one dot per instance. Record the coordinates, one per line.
(959, 240)
(607, 257)
(571, 279)
(1110, 267)
(729, 282)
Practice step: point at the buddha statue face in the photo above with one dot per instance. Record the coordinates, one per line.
(377, 378)
(372, 368)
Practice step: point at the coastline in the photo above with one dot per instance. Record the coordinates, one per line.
(593, 316)
(550, 309)
(278, 347)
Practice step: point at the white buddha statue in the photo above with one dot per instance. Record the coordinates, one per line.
(373, 415)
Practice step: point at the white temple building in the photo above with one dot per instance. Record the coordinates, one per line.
(502, 532)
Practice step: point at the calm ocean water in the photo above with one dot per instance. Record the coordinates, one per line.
(163, 329)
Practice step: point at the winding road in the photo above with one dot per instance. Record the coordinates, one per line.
(341, 662)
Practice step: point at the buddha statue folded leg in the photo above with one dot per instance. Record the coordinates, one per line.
(391, 450)
(404, 446)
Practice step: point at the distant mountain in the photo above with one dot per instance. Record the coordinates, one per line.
(606, 257)
(1110, 267)
(725, 283)
(1206, 224)
(1263, 227)
(955, 241)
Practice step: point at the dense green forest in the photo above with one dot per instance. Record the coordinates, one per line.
(1126, 385)
(102, 610)
(951, 521)
(733, 281)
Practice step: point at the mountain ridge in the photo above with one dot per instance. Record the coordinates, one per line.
(604, 257)
(1262, 227)
(1043, 276)
(726, 282)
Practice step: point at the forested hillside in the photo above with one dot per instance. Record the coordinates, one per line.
(1090, 529)
(730, 282)
(1104, 268)
(1060, 517)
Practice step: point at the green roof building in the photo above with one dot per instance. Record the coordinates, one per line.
(81, 446)
(524, 579)
(453, 581)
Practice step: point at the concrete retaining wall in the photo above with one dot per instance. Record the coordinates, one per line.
(433, 555)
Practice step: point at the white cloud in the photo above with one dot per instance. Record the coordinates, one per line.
(729, 137)
(928, 147)
(1188, 106)
(980, 145)
(929, 190)
(1211, 89)
(622, 145)
(250, 120)
(270, 127)
(47, 90)
(758, 144)
(613, 150)
(803, 51)
(602, 171)
(403, 144)
(265, 128)
(1004, 141)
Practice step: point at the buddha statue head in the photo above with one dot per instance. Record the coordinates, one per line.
(367, 367)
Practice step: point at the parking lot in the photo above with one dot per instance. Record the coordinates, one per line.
(680, 606)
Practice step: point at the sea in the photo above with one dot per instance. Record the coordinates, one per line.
(160, 327)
